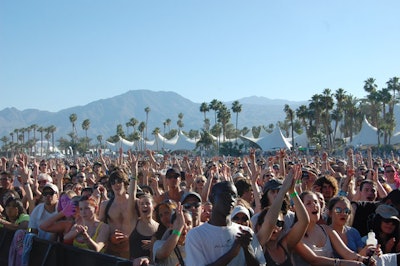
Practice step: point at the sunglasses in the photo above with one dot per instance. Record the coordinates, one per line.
(4, 179)
(116, 181)
(242, 219)
(190, 205)
(42, 181)
(172, 176)
(43, 164)
(389, 171)
(339, 210)
(280, 223)
(48, 193)
(200, 181)
(393, 221)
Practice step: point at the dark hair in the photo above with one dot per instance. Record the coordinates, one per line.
(18, 203)
(242, 185)
(328, 179)
(366, 181)
(173, 214)
(265, 202)
(376, 227)
(332, 202)
(118, 173)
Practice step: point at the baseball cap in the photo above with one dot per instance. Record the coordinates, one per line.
(387, 212)
(189, 194)
(240, 209)
(272, 184)
(52, 186)
(44, 176)
(173, 171)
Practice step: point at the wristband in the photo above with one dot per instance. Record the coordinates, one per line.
(176, 232)
(292, 195)
(133, 178)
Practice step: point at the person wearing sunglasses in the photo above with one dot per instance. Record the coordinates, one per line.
(339, 210)
(385, 224)
(174, 192)
(114, 213)
(321, 242)
(191, 201)
(279, 245)
(44, 211)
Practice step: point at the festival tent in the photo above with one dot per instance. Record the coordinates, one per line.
(368, 135)
(300, 140)
(184, 143)
(272, 141)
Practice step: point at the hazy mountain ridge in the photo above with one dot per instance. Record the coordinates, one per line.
(106, 114)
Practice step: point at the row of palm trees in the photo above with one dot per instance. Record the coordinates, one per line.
(327, 119)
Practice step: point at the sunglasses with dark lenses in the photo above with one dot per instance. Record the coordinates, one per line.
(190, 205)
(116, 181)
(242, 219)
(339, 210)
(389, 171)
(42, 181)
(43, 164)
(280, 223)
(200, 181)
(48, 193)
(172, 176)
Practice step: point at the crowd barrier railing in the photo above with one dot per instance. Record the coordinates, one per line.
(47, 253)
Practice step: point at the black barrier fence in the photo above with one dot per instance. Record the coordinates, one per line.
(48, 253)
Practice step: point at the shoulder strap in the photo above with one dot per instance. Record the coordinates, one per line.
(179, 255)
(106, 216)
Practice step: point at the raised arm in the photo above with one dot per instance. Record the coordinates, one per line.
(267, 227)
(298, 230)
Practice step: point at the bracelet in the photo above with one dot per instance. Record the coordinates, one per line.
(293, 195)
(133, 178)
(337, 262)
(176, 232)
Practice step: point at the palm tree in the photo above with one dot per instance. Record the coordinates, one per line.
(168, 123)
(16, 131)
(206, 140)
(41, 130)
(5, 141)
(85, 127)
(223, 117)
(147, 110)
(236, 108)
(215, 105)
(72, 119)
(47, 136)
(204, 108)
(290, 116)
(141, 128)
(180, 123)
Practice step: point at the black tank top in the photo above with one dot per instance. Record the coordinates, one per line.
(135, 244)
(270, 261)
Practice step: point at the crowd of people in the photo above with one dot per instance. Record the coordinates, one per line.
(284, 209)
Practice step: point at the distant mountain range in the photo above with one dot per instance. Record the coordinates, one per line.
(106, 114)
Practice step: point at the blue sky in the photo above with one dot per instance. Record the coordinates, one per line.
(59, 54)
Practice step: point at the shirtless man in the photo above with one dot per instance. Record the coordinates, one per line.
(114, 213)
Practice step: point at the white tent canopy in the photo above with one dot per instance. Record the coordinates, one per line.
(368, 135)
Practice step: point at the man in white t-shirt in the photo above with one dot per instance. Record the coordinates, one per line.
(220, 241)
(43, 211)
